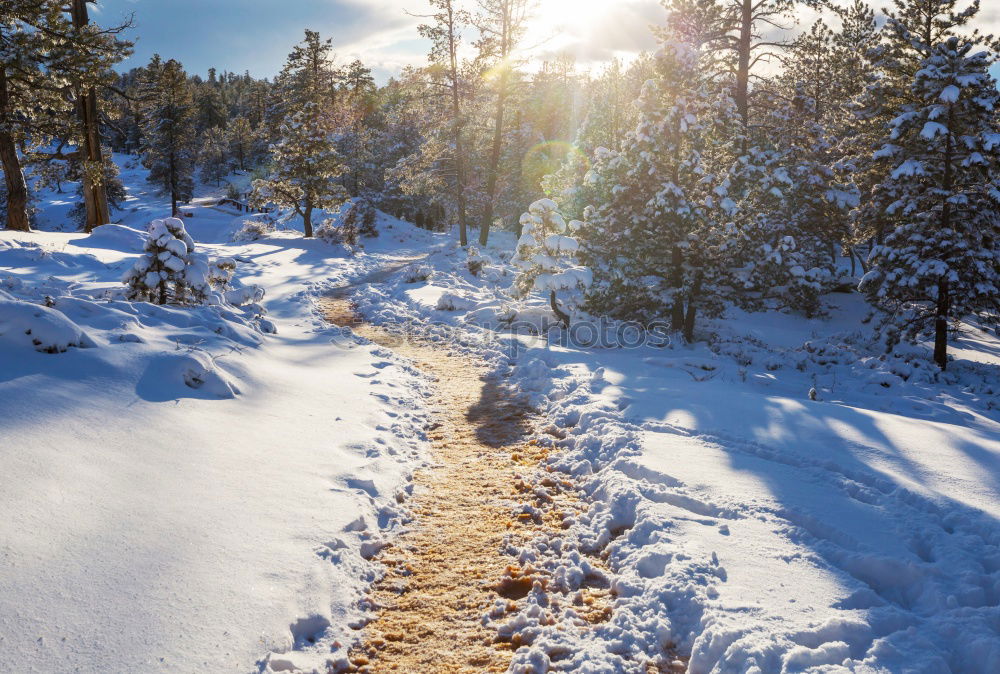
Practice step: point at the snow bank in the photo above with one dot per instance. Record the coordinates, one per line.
(47, 330)
(201, 491)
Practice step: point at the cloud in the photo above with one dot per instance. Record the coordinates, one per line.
(238, 35)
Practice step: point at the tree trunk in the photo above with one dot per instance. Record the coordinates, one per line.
(743, 68)
(677, 311)
(943, 308)
(493, 167)
(94, 194)
(307, 223)
(17, 188)
(557, 310)
(689, 317)
(941, 325)
(456, 111)
(173, 186)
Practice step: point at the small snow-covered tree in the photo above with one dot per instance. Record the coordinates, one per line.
(546, 259)
(940, 260)
(360, 218)
(170, 272)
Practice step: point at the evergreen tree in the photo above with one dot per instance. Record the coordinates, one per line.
(212, 112)
(243, 142)
(445, 36)
(51, 65)
(940, 261)
(501, 24)
(911, 33)
(170, 149)
(546, 259)
(659, 246)
(214, 155)
(306, 167)
(169, 272)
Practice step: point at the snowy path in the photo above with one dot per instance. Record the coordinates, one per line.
(447, 569)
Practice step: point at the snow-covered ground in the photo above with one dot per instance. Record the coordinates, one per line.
(183, 490)
(187, 492)
(748, 525)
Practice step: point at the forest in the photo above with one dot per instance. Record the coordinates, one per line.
(735, 165)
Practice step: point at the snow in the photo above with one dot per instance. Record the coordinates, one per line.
(182, 489)
(950, 94)
(199, 488)
(784, 498)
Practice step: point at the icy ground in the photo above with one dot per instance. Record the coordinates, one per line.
(186, 490)
(749, 526)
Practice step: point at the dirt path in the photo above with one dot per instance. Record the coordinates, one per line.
(447, 571)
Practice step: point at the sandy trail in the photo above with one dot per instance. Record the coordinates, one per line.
(447, 571)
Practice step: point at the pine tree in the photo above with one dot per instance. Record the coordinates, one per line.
(212, 112)
(501, 24)
(242, 142)
(940, 261)
(445, 36)
(911, 33)
(51, 65)
(214, 155)
(659, 247)
(306, 167)
(170, 150)
(169, 272)
(546, 259)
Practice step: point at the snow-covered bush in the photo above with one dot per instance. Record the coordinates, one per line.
(546, 260)
(344, 234)
(453, 302)
(171, 272)
(253, 230)
(47, 330)
(417, 273)
(360, 217)
(474, 261)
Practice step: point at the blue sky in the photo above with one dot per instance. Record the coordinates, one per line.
(256, 35)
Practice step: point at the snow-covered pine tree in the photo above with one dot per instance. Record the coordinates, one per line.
(911, 33)
(658, 246)
(940, 261)
(170, 145)
(50, 67)
(169, 272)
(306, 167)
(797, 198)
(214, 155)
(546, 259)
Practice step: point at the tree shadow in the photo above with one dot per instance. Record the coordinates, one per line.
(502, 415)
